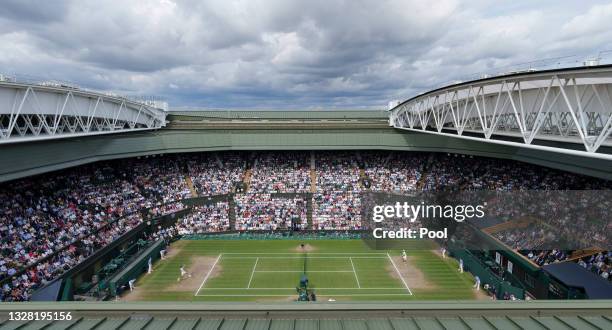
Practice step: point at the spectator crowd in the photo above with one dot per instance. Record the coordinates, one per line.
(280, 172)
(600, 264)
(215, 173)
(51, 222)
(210, 218)
(393, 172)
(265, 212)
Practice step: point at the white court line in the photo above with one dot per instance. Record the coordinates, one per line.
(320, 295)
(398, 273)
(300, 257)
(354, 272)
(301, 271)
(208, 274)
(309, 253)
(253, 272)
(388, 289)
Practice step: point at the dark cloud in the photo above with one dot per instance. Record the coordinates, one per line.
(287, 53)
(33, 11)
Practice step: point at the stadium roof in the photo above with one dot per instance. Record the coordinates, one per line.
(431, 322)
(323, 316)
(574, 275)
(283, 114)
(509, 75)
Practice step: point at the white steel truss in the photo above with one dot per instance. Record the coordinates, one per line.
(568, 107)
(34, 112)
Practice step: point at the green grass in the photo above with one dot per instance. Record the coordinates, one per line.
(270, 270)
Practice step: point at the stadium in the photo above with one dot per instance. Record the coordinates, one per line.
(268, 189)
(133, 203)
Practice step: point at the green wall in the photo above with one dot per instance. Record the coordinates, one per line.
(24, 159)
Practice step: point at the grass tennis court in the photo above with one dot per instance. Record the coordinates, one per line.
(329, 274)
(270, 270)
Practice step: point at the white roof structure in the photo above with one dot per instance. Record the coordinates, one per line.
(566, 110)
(32, 112)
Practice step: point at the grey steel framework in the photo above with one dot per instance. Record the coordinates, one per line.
(30, 112)
(571, 107)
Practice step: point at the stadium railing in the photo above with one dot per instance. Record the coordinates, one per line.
(136, 267)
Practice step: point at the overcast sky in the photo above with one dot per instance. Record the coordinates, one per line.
(285, 53)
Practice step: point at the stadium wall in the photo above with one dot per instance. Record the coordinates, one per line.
(136, 267)
(26, 159)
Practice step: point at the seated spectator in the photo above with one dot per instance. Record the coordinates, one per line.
(396, 172)
(215, 173)
(336, 211)
(337, 171)
(599, 263)
(264, 212)
(49, 223)
(205, 219)
(280, 172)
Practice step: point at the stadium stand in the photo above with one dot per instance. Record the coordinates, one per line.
(215, 173)
(599, 263)
(266, 212)
(51, 222)
(205, 219)
(280, 172)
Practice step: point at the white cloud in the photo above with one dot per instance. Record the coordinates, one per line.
(596, 20)
(287, 53)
